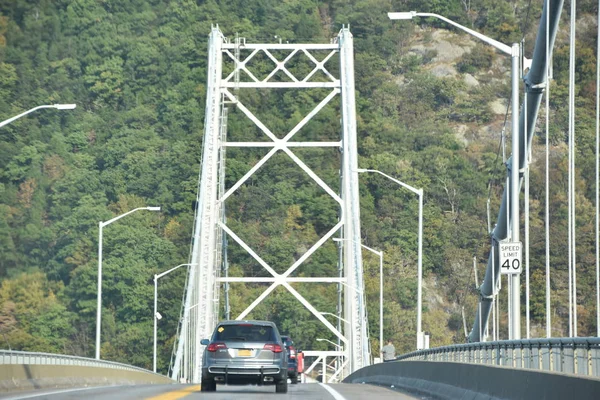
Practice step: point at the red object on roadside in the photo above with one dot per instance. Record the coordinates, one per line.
(300, 358)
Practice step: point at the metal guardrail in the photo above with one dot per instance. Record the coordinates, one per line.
(29, 358)
(580, 356)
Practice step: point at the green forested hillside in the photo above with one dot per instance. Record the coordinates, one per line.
(137, 71)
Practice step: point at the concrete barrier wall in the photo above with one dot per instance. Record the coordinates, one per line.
(447, 380)
(16, 377)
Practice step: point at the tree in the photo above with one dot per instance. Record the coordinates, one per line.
(32, 318)
(8, 254)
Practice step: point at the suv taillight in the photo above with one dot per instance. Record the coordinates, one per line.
(274, 347)
(292, 352)
(215, 346)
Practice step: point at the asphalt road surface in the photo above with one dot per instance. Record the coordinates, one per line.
(302, 391)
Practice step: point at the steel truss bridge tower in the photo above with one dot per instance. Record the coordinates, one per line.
(201, 300)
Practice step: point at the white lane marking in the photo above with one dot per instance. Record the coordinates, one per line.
(332, 391)
(32, 396)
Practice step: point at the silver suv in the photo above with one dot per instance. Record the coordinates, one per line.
(244, 352)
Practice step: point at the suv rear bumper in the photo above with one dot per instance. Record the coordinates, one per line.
(241, 375)
(265, 370)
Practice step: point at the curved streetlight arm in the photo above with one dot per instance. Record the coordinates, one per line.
(411, 14)
(351, 287)
(379, 253)
(57, 106)
(171, 270)
(404, 185)
(103, 224)
(329, 341)
(334, 315)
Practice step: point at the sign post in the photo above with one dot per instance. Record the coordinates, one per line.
(510, 257)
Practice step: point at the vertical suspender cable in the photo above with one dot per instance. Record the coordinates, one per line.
(570, 247)
(498, 290)
(598, 177)
(485, 331)
(526, 209)
(494, 302)
(547, 211)
(508, 237)
(569, 199)
(526, 152)
(508, 286)
(515, 308)
(480, 328)
(573, 261)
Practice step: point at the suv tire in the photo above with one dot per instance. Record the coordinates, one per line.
(208, 385)
(281, 386)
(294, 379)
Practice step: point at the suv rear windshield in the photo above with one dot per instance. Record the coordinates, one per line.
(245, 333)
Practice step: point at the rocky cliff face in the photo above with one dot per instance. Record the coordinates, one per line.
(442, 51)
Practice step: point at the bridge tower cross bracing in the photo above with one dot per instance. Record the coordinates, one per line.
(200, 309)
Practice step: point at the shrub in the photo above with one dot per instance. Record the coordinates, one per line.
(479, 58)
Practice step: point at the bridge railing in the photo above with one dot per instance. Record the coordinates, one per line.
(22, 370)
(579, 356)
(30, 358)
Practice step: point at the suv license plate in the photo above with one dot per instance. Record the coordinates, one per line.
(244, 353)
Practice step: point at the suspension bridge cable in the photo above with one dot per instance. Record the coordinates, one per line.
(495, 325)
(547, 208)
(598, 176)
(573, 247)
(527, 158)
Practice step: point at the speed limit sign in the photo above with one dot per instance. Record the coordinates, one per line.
(510, 257)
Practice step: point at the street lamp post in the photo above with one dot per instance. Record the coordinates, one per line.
(419, 192)
(514, 52)
(157, 316)
(380, 254)
(101, 225)
(57, 106)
